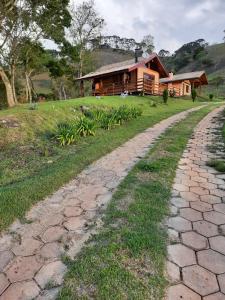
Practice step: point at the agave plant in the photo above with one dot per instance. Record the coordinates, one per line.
(66, 134)
(85, 127)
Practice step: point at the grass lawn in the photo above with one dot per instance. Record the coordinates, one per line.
(32, 166)
(125, 260)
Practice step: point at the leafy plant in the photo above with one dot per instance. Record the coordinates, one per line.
(66, 134)
(108, 121)
(85, 127)
(165, 96)
(211, 96)
(172, 93)
(193, 94)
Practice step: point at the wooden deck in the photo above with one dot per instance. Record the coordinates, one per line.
(145, 86)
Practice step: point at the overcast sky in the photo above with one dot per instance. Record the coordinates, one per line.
(171, 22)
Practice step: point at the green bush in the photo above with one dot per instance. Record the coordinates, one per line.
(193, 94)
(66, 134)
(165, 96)
(211, 97)
(85, 127)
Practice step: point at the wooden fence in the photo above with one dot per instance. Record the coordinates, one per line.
(142, 85)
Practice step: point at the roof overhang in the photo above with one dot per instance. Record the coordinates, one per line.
(153, 57)
(201, 79)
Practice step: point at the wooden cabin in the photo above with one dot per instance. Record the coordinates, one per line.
(138, 75)
(182, 84)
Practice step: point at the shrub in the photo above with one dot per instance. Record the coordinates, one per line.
(211, 96)
(66, 134)
(108, 121)
(136, 112)
(165, 96)
(85, 127)
(172, 93)
(193, 94)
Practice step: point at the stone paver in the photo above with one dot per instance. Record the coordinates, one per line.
(181, 255)
(26, 290)
(221, 279)
(217, 296)
(30, 253)
(199, 196)
(200, 280)
(194, 240)
(181, 292)
(212, 260)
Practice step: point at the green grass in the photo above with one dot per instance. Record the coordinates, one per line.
(125, 260)
(32, 166)
(219, 164)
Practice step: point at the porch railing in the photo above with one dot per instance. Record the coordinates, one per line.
(142, 85)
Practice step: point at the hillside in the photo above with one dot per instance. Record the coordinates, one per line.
(212, 61)
(215, 54)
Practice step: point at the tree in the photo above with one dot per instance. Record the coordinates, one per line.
(164, 53)
(86, 26)
(28, 19)
(193, 94)
(148, 44)
(217, 81)
(32, 58)
(224, 35)
(165, 96)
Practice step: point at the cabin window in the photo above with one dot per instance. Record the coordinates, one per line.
(149, 76)
(187, 88)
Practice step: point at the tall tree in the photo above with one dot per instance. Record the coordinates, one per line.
(164, 53)
(86, 26)
(32, 59)
(28, 19)
(148, 44)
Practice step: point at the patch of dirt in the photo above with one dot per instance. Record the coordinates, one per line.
(9, 122)
(125, 202)
(141, 267)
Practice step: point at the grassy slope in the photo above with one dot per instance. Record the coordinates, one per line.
(32, 166)
(126, 259)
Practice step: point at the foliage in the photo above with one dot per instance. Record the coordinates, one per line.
(23, 25)
(219, 165)
(164, 53)
(211, 96)
(85, 127)
(147, 44)
(165, 96)
(66, 134)
(86, 26)
(193, 94)
(173, 93)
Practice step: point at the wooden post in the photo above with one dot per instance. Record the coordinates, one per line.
(82, 88)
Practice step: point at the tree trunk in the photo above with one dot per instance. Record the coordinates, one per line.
(81, 63)
(8, 88)
(13, 70)
(63, 91)
(28, 88)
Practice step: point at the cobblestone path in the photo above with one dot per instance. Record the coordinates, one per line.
(196, 258)
(30, 253)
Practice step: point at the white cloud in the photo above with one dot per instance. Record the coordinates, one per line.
(172, 23)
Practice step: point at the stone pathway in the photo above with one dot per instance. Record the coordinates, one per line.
(30, 253)
(196, 258)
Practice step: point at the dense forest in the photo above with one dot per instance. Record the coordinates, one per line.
(30, 72)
